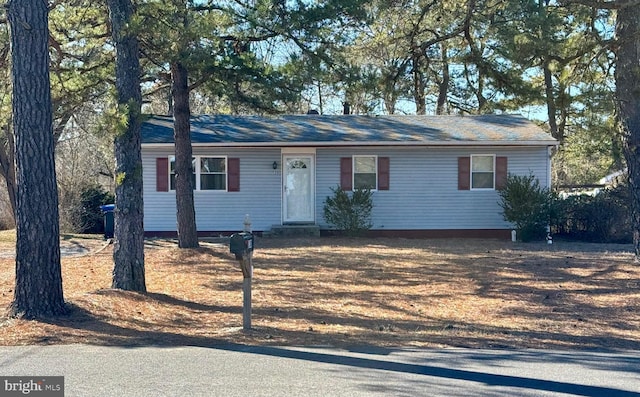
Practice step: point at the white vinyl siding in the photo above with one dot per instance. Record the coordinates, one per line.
(424, 196)
(425, 191)
(259, 195)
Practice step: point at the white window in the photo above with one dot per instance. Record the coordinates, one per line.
(365, 172)
(213, 173)
(483, 171)
(172, 172)
(209, 173)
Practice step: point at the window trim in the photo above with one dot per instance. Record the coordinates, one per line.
(493, 171)
(197, 187)
(199, 174)
(353, 170)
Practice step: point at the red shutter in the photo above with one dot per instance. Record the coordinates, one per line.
(162, 174)
(464, 173)
(501, 173)
(383, 173)
(233, 174)
(346, 171)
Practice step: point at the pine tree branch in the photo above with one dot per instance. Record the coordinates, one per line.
(603, 4)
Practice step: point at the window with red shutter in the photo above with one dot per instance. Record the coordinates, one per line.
(383, 173)
(233, 170)
(162, 174)
(501, 172)
(464, 173)
(481, 172)
(346, 169)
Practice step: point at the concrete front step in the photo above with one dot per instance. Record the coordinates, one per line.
(293, 231)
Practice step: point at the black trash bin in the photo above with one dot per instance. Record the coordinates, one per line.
(107, 211)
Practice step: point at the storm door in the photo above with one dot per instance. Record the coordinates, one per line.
(298, 189)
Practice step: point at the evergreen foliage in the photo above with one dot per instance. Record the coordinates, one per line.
(458, 56)
(351, 214)
(90, 214)
(601, 218)
(527, 205)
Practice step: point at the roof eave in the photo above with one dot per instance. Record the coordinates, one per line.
(369, 144)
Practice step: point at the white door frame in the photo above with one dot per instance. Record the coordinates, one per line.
(298, 212)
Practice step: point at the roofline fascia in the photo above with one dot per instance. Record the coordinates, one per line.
(367, 144)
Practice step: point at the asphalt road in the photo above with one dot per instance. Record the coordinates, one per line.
(238, 370)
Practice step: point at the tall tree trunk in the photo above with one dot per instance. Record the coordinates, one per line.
(443, 86)
(389, 82)
(128, 251)
(187, 230)
(170, 103)
(419, 86)
(38, 290)
(390, 96)
(628, 104)
(550, 99)
(320, 99)
(482, 100)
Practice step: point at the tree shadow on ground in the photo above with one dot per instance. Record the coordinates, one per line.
(387, 298)
(494, 380)
(109, 334)
(316, 327)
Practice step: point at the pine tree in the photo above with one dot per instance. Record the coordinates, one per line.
(38, 290)
(128, 252)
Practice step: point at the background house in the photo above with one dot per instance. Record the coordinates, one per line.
(432, 175)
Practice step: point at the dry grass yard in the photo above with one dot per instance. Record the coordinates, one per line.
(341, 292)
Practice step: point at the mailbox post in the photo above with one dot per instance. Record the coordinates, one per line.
(241, 245)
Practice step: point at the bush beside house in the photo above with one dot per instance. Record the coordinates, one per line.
(604, 217)
(349, 213)
(527, 205)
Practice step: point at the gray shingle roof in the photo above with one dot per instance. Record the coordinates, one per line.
(316, 130)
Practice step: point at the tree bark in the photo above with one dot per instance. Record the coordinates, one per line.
(187, 230)
(38, 290)
(443, 86)
(551, 102)
(419, 85)
(628, 104)
(128, 251)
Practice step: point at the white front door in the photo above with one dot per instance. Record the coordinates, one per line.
(298, 184)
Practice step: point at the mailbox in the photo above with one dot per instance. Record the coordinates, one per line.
(241, 244)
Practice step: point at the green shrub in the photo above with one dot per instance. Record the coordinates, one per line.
(351, 214)
(603, 218)
(527, 205)
(92, 218)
